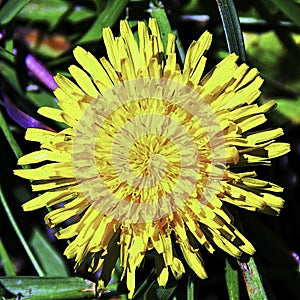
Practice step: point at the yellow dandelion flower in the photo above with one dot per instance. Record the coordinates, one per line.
(151, 154)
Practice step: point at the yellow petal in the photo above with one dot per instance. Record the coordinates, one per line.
(111, 48)
(193, 260)
(163, 277)
(51, 170)
(69, 210)
(93, 67)
(44, 155)
(48, 199)
(39, 135)
(155, 31)
(177, 268)
(83, 81)
(57, 115)
(67, 85)
(132, 47)
(171, 43)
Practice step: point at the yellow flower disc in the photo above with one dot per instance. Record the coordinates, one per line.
(141, 149)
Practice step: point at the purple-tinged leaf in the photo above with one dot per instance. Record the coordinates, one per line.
(40, 72)
(21, 118)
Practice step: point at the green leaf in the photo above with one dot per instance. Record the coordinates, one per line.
(107, 17)
(158, 12)
(50, 259)
(9, 73)
(290, 8)
(41, 98)
(37, 288)
(232, 282)
(253, 280)
(156, 292)
(10, 9)
(6, 262)
(50, 11)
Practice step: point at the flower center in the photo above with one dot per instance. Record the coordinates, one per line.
(148, 149)
(153, 155)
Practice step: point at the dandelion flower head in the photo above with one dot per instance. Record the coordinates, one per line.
(151, 155)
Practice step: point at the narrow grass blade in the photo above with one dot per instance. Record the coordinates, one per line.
(190, 288)
(232, 28)
(20, 235)
(106, 18)
(10, 138)
(253, 280)
(6, 262)
(144, 286)
(232, 282)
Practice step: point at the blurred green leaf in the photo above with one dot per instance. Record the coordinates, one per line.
(50, 259)
(266, 49)
(192, 6)
(80, 14)
(10, 9)
(50, 11)
(106, 18)
(289, 109)
(290, 8)
(37, 288)
(6, 262)
(232, 282)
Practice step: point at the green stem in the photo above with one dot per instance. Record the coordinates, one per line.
(253, 280)
(158, 12)
(232, 282)
(232, 28)
(190, 288)
(6, 262)
(10, 138)
(19, 234)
